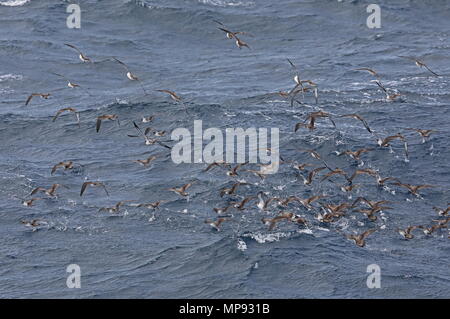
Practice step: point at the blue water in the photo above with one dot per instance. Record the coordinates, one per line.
(176, 45)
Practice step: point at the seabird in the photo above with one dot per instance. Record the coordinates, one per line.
(371, 71)
(406, 233)
(67, 109)
(231, 35)
(69, 83)
(372, 204)
(233, 171)
(109, 117)
(241, 205)
(80, 54)
(175, 97)
(216, 224)
(31, 223)
(367, 171)
(115, 208)
(337, 171)
(50, 192)
(67, 165)
(360, 239)
(232, 190)
(372, 211)
(288, 216)
(154, 205)
(95, 184)
(441, 211)
(413, 189)
(356, 155)
(360, 118)
(308, 181)
(431, 229)
(216, 164)
(44, 96)
(424, 133)
(30, 202)
(182, 190)
(130, 75)
(420, 64)
(148, 141)
(145, 162)
(389, 97)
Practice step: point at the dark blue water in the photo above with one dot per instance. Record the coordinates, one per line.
(175, 45)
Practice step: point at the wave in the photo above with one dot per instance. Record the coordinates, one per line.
(14, 3)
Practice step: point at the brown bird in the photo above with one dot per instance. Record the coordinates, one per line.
(231, 35)
(386, 141)
(175, 97)
(329, 217)
(50, 192)
(420, 64)
(216, 224)
(145, 162)
(335, 209)
(67, 165)
(115, 208)
(30, 202)
(225, 209)
(109, 117)
(356, 155)
(360, 118)
(233, 171)
(407, 233)
(301, 167)
(307, 202)
(31, 223)
(319, 114)
(360, 239)
(241, 205)
(314, 172)
(288, 216)
(216, 164)
(67, 109)
(371, 71)
(371, 212)
(413, 189)
(366, 171)
(381, 181)
(44, 96)
(232, 190)
(336, 171)
(69, 83)
(431, 229)
(182, 190)
(441, 211)
(372, 204)
(424, 133)
(82, 57)
(130, 75)
(389, 97)
(154, 205)
(94, 184)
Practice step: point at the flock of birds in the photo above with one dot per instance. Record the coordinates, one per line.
(324, 212)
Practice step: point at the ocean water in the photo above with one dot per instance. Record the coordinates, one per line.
(171, 252)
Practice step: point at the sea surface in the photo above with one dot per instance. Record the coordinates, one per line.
(170, 252)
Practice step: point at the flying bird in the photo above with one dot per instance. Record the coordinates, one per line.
(109, 117)
(44, 96)
(93, 184)
(68, 109)
(420, 64)
(82, 57)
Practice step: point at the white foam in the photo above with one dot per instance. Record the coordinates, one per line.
(14, 3)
